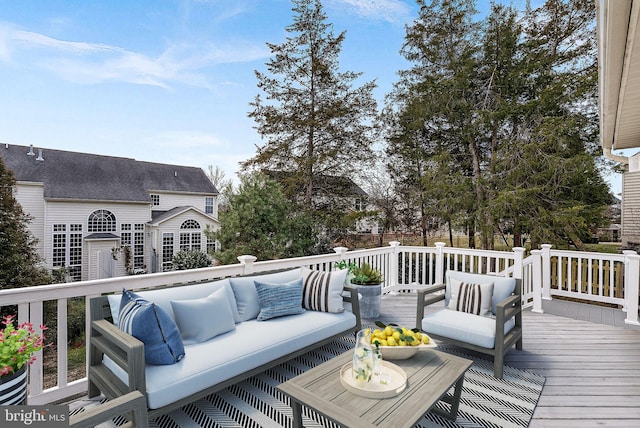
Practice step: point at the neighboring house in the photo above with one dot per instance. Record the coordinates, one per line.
(103, 216)
(619, 99)
(328, 189)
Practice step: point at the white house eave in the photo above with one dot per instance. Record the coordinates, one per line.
(178, 213)
(619, 75)
(99, 201)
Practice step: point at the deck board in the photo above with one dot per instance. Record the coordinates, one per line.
(592, 368)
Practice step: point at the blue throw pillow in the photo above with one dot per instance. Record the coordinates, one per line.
(153, 326)
(277, 300)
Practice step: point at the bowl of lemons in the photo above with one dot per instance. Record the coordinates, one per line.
(399, 343)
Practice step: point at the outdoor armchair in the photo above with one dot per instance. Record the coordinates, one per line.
(482, 313)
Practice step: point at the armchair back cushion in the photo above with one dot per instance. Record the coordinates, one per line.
(503, 287)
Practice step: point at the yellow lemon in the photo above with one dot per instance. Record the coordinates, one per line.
(418, 335)
(396, 335)
(391, 341)
(388, 331)
(383, 342)
(402, 343)
(377, 332)
(425, 339)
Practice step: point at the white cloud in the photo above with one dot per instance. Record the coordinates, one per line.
(384, 10)
(91, 63)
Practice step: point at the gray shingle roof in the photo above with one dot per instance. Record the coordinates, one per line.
(73, 175)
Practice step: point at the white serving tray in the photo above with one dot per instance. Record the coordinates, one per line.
(395, 377)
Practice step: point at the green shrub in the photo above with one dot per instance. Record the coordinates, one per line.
(190, 259)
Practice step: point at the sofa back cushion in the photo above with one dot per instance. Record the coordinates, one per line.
(246, 295)
(202, 319)
(323, 290)
(163, 297)
(503, 287)
(150, 324)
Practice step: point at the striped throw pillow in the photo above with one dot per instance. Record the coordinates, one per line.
(323, 290)
(471, 298)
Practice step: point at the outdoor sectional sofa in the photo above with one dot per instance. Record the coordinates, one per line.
(118, 364)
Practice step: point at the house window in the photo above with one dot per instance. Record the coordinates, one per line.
(167, 252)
(211, 246)
(190, 240)
(155, 200)
(102, 221)
(208, 204)
(67, 249)
(135, 241)
(359, 204)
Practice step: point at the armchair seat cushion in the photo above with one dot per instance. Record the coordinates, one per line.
(464, 327)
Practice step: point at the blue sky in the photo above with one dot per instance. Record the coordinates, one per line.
(166, 80)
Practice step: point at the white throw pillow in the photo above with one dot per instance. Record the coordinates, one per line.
(471, 298)
(202, 319)
(322, 291)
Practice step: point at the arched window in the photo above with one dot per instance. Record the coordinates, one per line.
(191, 240)
(102, 221)
(190, 224)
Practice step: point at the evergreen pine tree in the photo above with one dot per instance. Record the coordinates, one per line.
(20, 264)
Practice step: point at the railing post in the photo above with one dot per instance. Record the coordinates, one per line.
(631, 286)
(536, 278)
(247, 262)
(546, 271)
(392, 276)
(517, 262)
(342, 251)
(439, 279)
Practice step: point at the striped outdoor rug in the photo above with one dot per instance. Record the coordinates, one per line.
(256, 402)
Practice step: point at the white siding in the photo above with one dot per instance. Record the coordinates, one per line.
(631, 207)
(59, 212)
(172, 200)
(173, 226)
(31, 199)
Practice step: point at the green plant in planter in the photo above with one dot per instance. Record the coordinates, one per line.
(366, 275)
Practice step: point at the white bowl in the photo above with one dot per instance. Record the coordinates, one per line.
(403, 352)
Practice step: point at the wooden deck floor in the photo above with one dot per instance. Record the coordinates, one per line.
(592, 369)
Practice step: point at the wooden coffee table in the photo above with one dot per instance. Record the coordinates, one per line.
(430, 375)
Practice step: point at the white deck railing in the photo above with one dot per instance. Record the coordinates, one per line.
(596, 277)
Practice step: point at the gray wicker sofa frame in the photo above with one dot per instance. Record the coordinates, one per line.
(128, 353)
(505, 310)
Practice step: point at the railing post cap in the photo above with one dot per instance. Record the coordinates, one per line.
(536, 251)
(440, 244)
(546, 246)
(247, 258)
(394, 243)
(519, 249)
(340, 250)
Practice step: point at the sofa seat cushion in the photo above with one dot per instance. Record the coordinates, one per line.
(250, 345)
(465, 327)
